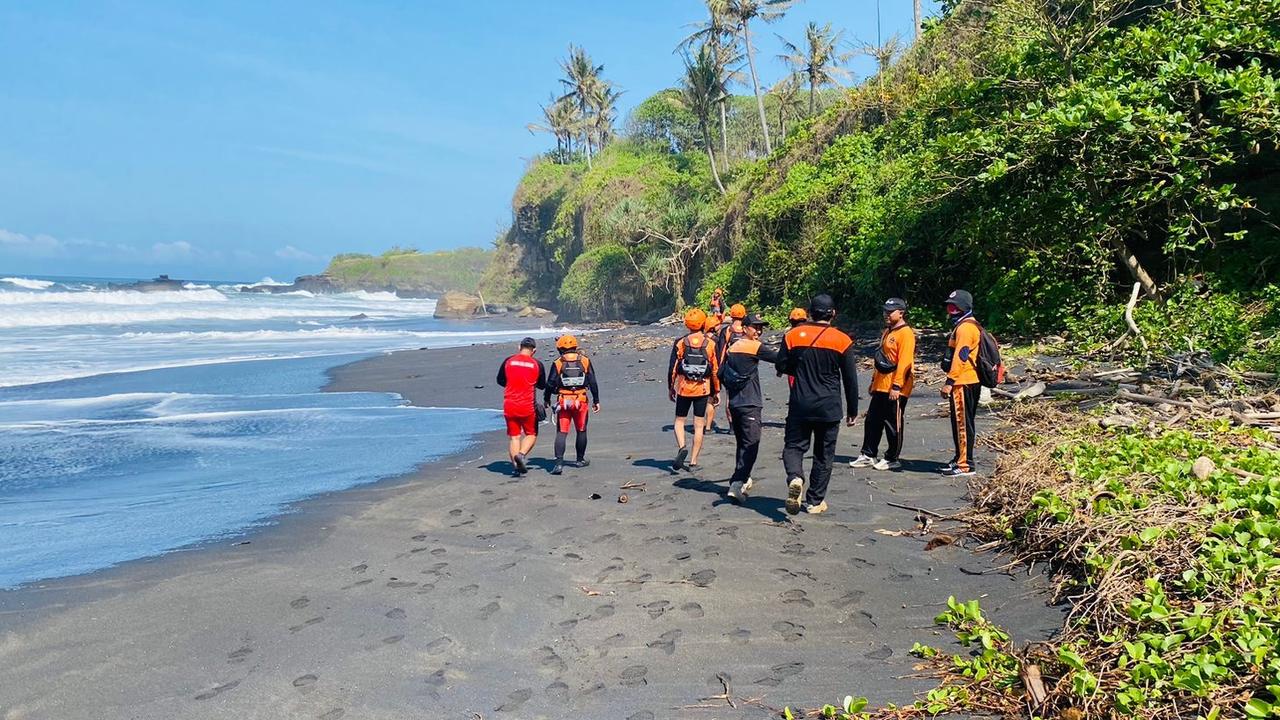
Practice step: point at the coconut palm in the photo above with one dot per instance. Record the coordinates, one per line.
(718, 33)
(819, 60)
(581, 78)
(560, 117)
(884, 53)
(740, 13)
(700, 90)
(603, 101)
(787, 93)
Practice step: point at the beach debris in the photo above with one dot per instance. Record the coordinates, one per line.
(594, 496)
(478, 387)
(939, 540)
(623, 498)
(1202, 468)
(1031, 680)
(895, 533)
(633, 485)
(589, 592)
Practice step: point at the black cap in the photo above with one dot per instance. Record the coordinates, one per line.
(821, 306)
(961, 299)
(528, 343)
(755, 320)
(895, 304)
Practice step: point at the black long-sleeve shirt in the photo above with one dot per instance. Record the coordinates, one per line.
(553, 379)
(821, 359)
(742, 360)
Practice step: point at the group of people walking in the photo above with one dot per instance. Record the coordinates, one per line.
(721, 354)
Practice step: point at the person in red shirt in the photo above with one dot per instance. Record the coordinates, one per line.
(522, 376)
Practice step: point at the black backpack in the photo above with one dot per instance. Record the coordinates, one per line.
(573, 373)
(695, 365)
(989, 365)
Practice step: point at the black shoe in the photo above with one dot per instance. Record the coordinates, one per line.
(583, 462)
(521, 466)
(557, 468)
(678, 463)
(694, 467)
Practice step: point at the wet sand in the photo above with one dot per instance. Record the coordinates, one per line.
(460, 591)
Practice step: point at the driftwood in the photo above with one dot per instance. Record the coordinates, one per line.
(1151, 399)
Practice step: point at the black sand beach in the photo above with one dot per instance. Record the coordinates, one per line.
(461, 592)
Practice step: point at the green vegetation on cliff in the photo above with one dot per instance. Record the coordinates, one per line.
(1046, 157)
(410, 269)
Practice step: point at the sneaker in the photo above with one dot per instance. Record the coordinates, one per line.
(957, 472)
(816, 509)
(678, 463)
(795, 488)
(883, 464)
(522, 467)
(947, 468)
(583, 462)
(558, 468)
(746, 487)
(735, 492)
(862, 461)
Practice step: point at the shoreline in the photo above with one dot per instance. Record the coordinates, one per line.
(460, 587)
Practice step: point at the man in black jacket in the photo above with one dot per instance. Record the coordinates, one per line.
(740, 377)
(821, 359)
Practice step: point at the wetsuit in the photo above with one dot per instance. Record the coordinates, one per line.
(740, 377)
(821, 359)
(571, 402)
(693, 393)
(521, 375)
(961, 366)
(885, 416)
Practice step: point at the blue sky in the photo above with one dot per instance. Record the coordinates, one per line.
(234, 139)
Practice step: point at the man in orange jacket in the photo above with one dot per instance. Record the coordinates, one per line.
(692, 384)
(962, 388)
(572, 377)
(891, 385)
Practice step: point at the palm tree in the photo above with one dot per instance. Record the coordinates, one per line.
(700, 91)
(787, 93)
(603, 101)
(718, 33)
(883, 53)
(740, 14)
(820, 60)
(581, 78)
(560, 118)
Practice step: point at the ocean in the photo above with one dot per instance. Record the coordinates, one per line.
(133, 424)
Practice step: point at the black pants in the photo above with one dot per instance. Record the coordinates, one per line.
(884, 417)
(823, 435)
(746, 431)
(964, 408)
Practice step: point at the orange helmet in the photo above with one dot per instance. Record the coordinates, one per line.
(567, 342)
(694, 319)
(713, 322)
(738, 311)
(798, 314)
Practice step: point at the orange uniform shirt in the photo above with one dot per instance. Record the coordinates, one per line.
(899, 345)
(964, 343)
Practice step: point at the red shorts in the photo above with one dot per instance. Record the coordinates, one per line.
(575, 415)
(527, 424)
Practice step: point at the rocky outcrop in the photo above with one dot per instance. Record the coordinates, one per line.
(458, 306)
(162, 283)
(535, 312)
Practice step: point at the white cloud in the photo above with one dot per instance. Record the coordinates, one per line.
(178, 250)
(289, 252)
(32, 245)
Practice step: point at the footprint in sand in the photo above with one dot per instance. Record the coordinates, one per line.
(508, 522)
(515, 700)
(796, 597)
(778, 673)
(591, 689)
(681, 556)
(437, 552)
(400, 584)
(218, 690)
(357, 583)
(439, 645)
(703, 578)
(360, 568)
(657, 608)
(728, 530)
(610, 537)
(305, 681)
(602, 612)
(239, 656)
(666, 642)
(710, 551)
(610, 642)
(692, 609)
(557, 690)
(789, 631)
(568, 625)
(556, 601)
(796, 549)
(436, 679)
(487, 611)
(469, 590)
(900, 577)
(420, 538)
(741, 636)
(633, 676)
(850, 598)
(333, 714)
(548, 658)
(392, 640)
(881, 653)
(636, 584)
(395, 614)
(306, 624)
(300, 603)
(642, 715)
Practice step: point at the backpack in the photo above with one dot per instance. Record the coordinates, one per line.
(573, 373)
(694, 364)
(989, 365)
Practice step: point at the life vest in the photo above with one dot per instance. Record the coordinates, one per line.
(694, 363)
(573, 373)
(730, 337)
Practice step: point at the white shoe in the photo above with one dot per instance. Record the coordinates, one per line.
(735, 491)
(816, 509)
(795, 489)
(883, 464)
(862, 461)
(746, 487)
